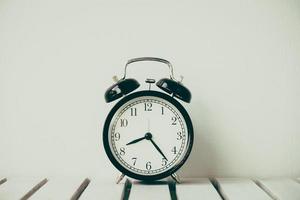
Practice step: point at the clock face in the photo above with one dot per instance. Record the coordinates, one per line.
(148, 134)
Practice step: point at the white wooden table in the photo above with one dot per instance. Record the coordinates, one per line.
(197, 188)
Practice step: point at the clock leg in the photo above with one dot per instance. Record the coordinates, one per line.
(120, 178)
(175, 177)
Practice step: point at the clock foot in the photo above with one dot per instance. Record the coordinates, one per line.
(120, 178)
(175, 177)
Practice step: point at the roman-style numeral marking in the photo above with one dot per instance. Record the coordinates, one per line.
(133, 111)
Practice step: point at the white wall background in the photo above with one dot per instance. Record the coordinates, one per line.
(241, 60)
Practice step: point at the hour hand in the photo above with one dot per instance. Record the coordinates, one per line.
(136, 140)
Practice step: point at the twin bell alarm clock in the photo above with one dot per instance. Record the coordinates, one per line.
(148, 135)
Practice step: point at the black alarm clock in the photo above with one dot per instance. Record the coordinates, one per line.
(148, 135)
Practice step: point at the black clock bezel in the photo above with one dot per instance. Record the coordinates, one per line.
(166, 97)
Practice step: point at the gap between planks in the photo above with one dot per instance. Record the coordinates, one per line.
(34, 189)
(172, 190)
(217, 186)
(62, 188)
(187, 189)
(28, 194)
(3, 180)
(239, 188)
(126, 190)
(266, 190)
(80, 189)
(281, 188)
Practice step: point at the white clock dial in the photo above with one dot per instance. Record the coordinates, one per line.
(148, 135)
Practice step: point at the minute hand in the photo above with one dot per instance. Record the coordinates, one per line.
(158, 149)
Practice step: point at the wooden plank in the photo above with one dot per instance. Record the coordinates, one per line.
(236, 189)
(196, 189)
(283, 189)
(159, 190)
(58, 188)
(102, 189)
(17, 188)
